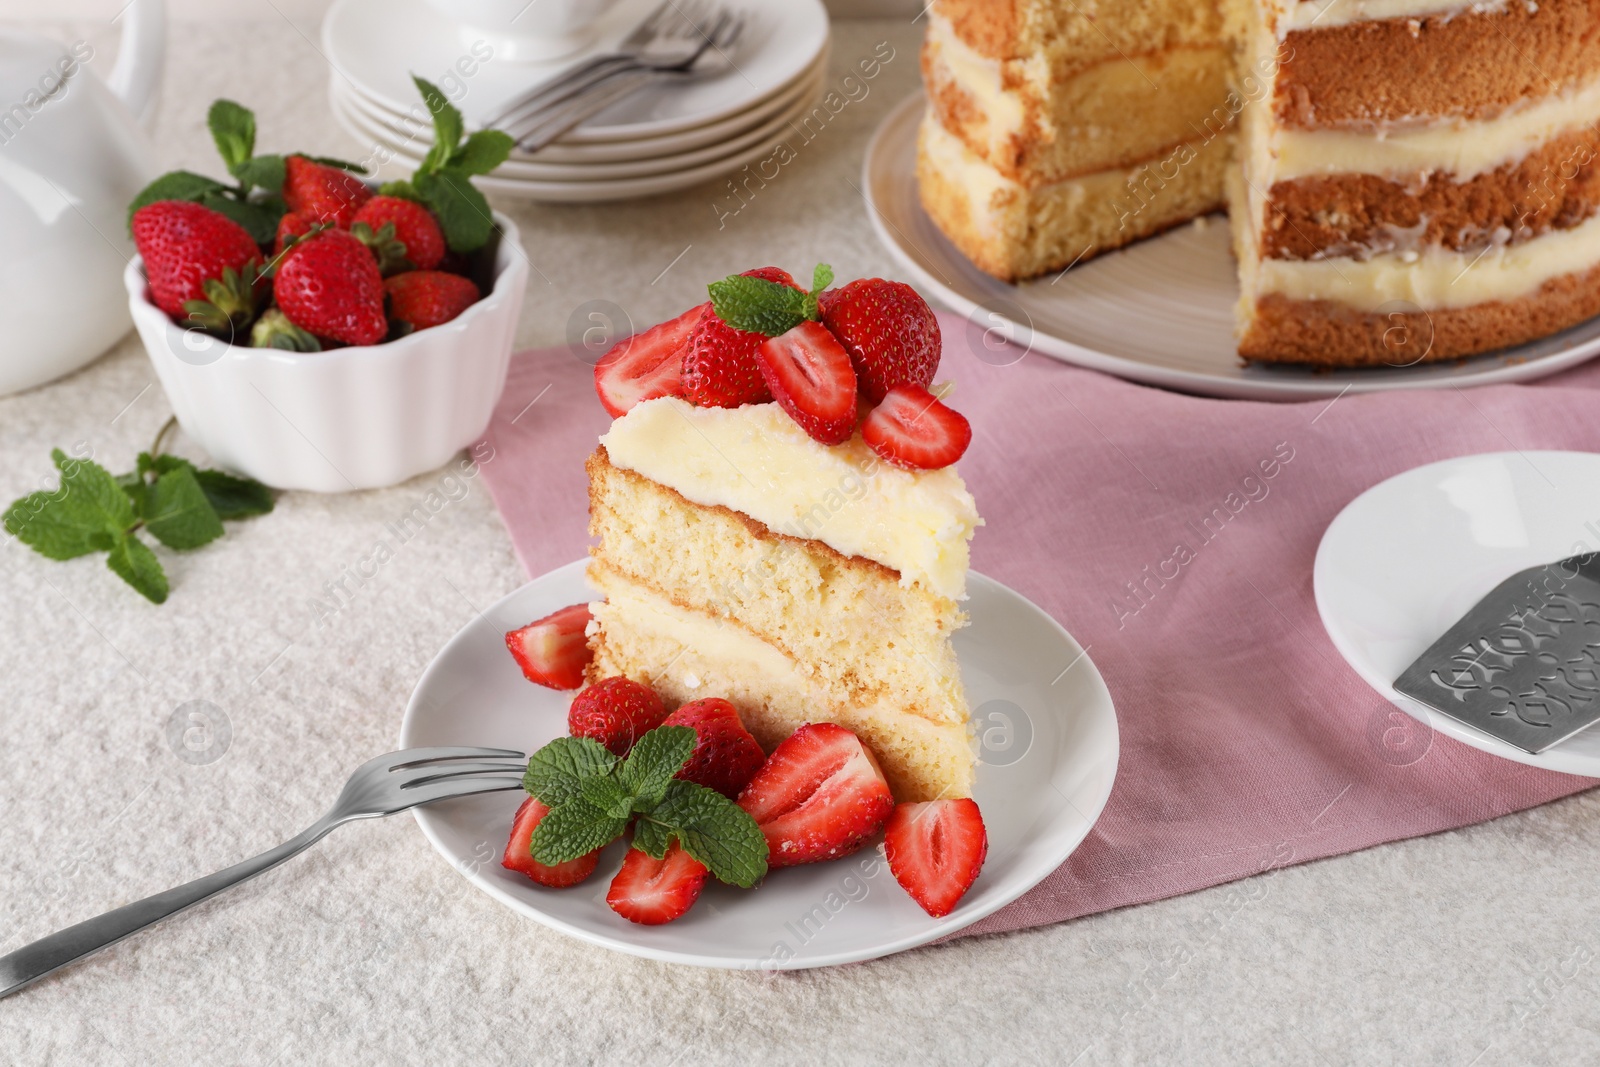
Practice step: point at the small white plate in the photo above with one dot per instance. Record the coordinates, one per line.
(669, 152)
(1159, 311)
(1051, 755)
(377, 44)
(1407, 558)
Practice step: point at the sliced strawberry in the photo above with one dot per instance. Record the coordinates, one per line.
(720, 370)
(552, 651)
(647, 365)
(810, 377)
(819, 796)
(615, 712)
(519, 854)
(651, 892)
(912, 428)
(936, 850)
(725, 756)
(889, 331)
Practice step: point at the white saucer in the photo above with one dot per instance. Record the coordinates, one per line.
(372, 128)
(411, 129)
(376, 45)
(1159, 311)
(1407, 558)
(1040, 797)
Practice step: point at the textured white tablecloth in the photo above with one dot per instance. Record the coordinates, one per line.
(1475, 947)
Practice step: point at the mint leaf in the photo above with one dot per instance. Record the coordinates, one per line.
(233, 128)
(574, 829)
(608, 795)
(652, 762)
(462, 211)
(133, 562)
(712, 829)
(174, 185)
(447, 125)
(821, 277)
(404, 190)
(334, 161)
(87, 513)
(760, 306)
(482, 152)
(176, 511)
(651, 838)
(263, 172)
(232, 497)
(557, 771)
(260, 220)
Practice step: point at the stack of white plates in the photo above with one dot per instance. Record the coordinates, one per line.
(658, 140)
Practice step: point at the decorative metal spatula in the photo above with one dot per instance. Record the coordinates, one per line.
(1524, 664)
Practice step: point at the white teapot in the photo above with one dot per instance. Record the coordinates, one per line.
(72, 156)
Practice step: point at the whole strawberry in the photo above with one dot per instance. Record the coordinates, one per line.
(725, 756)
(330, 286)
(615, 712)
(889, 331)
(323, 193)
(414, 226)
(422, 298)
(720, 368)
(292, 225)
(184, 246)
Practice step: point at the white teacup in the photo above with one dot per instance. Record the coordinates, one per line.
(526, 30)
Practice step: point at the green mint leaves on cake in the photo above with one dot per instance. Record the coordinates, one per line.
(593, 796)
(177, 503)
(767, 307)
(443, 181)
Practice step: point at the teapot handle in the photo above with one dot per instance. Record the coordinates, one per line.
(137, 75)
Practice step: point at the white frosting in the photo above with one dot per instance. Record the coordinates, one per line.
(755, 460)
(1434, 278)
(1321, 14)
(1457, 147)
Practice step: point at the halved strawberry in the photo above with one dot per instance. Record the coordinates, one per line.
(615, 712)
(725, 755)
(819, 796)
(936, 850)
(552, 651)
(720, 370)
(889, 331)
(646, 365)
(655, 891)
(519, 856)
(911, 428)
(810, 376)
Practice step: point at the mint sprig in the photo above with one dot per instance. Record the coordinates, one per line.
(593, 797)
(443, 181)
(178, 504)
(765, 307)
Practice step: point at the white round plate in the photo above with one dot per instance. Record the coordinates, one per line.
(1159, 311)
(1039, 796)
(416, 129)
(1407, 558)
(587, 192)
(377, 44)
(362, 121)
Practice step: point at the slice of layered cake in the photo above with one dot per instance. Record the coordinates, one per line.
(770, 544)
(1412, 180)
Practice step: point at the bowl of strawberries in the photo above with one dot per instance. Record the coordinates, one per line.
(315, 330)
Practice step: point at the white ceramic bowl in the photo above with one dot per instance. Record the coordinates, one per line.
(350, 418)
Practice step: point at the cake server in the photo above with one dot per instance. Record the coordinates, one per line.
(392, 783)
(1522, 666)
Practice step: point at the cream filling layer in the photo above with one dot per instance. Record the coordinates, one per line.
(1321, 14)
(1457, 147)
(978, 75)
(1434, 279)
(755, 460)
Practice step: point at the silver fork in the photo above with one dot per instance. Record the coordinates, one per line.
(535, 132)
(660, 25)
(383, 786)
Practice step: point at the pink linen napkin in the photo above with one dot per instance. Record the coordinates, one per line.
(1174, 537)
